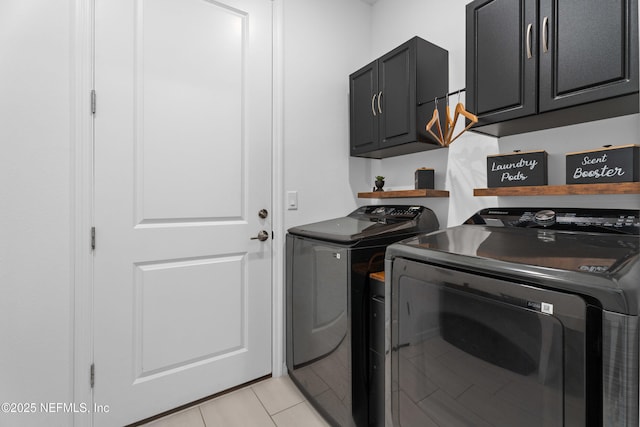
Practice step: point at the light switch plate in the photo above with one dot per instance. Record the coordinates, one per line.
(292, 200)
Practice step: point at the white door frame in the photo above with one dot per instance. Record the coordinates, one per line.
(278, 203)
(83, 212)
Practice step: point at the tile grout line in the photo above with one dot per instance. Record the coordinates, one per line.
(204, 423)
(295, 404)
(263, 407)
(303, 401)
(287, 408)
(280, 411)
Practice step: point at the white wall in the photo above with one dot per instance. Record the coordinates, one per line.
(35, 208)
(324, 41)
(462, 166)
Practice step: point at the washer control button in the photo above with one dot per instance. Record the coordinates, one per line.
(545, 217)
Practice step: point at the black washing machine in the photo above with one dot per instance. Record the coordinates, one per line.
(327, 310)
(520, 316)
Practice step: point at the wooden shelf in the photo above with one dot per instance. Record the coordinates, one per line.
(403, 193)
(562, 190)
(379, 276)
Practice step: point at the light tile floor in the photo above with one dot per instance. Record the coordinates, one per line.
(273, 402)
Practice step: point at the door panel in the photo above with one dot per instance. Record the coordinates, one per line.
(501, 77)
(187, 104)
(592, 51)
(364, 114)
(182, 149)
(474, 350)
(499, 55)
(590, 54)
(164, 290)
(320, 298)
(398, 86)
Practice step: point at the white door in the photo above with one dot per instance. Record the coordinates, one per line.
(182, 297)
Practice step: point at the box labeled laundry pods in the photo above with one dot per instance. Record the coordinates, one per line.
(517, 169)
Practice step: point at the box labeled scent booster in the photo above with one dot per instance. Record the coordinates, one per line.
(603, 165)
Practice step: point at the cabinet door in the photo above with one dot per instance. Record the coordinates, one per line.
(501, 59)
(398, 93)
(588, 51)
(363, 87)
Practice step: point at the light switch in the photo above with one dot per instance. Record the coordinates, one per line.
(292, 200)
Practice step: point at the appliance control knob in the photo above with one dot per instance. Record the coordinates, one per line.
(545, 217)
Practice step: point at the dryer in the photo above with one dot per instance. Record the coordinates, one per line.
(327, 317)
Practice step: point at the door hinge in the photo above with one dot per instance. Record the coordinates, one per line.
(93, 238)
(92, 375)
(93, 101)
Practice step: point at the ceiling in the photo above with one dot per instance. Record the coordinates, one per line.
(370, 1)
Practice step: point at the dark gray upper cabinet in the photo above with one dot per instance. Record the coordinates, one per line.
(588, 51)
(503, 83)
(364, 111)
(392, 99)
(538, 64)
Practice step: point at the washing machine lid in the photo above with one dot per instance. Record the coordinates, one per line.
(597, 257)
(371, 222)
(585, 253)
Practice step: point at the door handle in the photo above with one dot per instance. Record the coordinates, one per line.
(262, 236)
(379, 100)
(529, 29)
(545, 35)
(373, 104)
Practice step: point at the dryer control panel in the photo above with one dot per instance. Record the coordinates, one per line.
(387, 212)
(615, 221)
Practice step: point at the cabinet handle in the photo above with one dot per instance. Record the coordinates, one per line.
(529, 28)
(379, 100)
(373, 104)
(545, 35)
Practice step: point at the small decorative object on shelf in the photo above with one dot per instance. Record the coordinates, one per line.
(424, 178)
(379, 183)
(603, 165)
(517, 169)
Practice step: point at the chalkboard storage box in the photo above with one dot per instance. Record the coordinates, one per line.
(425, 178)
(603, 165)
(517, 169)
